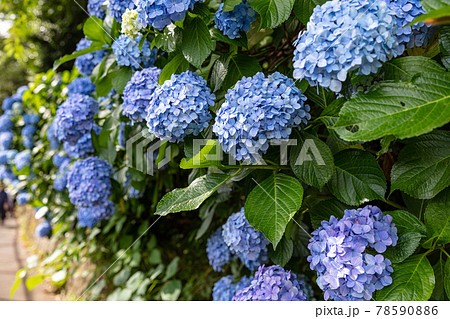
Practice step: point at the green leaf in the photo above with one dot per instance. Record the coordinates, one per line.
(272, 204)
(240, 65)
(122, 277)
(323, 210)
(410, 232)
(397, 108)
(219, 36)
(104, 85)
(121, 78)
(228, 5)
(412, 280)
(209, 156)
(430, 5)
(357, 178)
(405, 68)
(168, 39)
(20, 275)
(283, 253)
(423, 169)
(171, 290)
(34, 281)
(303, 9)
(444, 45)
(93, 30)
(320, 97)
(197, 43)
(191, 197)
(447, 277)
(434, 14)
(439, 273)
(219, 72)
(272, 12)
(437, 217)
(172, 269)
(69, 57)
(312, 161)
(170, 68)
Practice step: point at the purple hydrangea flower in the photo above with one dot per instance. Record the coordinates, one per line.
(217, 250)
(91, 216)
(87, 62)
(118, 7)
(272, 284)
(244, 241)
(75, 118)
(84, 147)
(235, 22)
(94, 8)
(180, 107)
(89, 182)
(138, 92)
(81, 85)
(127, 52)
(259, 111)
(338, 254)
(44, 229)
(342, 36)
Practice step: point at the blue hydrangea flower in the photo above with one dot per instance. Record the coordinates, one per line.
(6, 175)
(118, 7)
(5, 123)
(94, 8)
(87, 62)
(342, 36)
(106, 102)
(127, 52)
(338, 254)
(217, 250)
(7, 156)
(60, 182)
(31, 119)
(160, 13)
(259, 111)
(244, 241)
(84, 147)
(51, 136)
(29, 130)
(121, 139)
(180, 107)
(138, 92)
(224, 289)
(89, 182)
(81, 85)
(23, 198)
(134, 193)
(235, 22)
(406, 11)
(75, 118)
(6, 139)
(44, 229)
(91, 216)
(28, 142)
(59, 159)
(22, 160)
(21, 90)
(9, 101)
(272, 284)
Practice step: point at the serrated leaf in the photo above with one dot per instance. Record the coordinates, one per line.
(406, 67)
(323, 210)
(272, 204)
(121, 78)
(423, 169)
(430, 5)
(447, 277)
(444, 45)
(357, 178)
(283, 253)
(219, 72)
(311, 160)
(191, 197)
(402, 109)
(272, 12)
(209, 156)
(434, 14)
(412, 280)
(168, 39)
(437, 217)
(197, 43)
(240, 65)
(170, 68)
(303, 9)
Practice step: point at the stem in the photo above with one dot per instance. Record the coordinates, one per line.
(443, 250)
(393, 204)
(271, 167)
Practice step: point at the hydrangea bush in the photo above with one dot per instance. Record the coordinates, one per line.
(286, 152)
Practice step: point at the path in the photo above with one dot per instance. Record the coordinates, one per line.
(12, 258)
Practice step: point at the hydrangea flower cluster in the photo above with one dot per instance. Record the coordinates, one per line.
(272, 284)
(6, 156)
(23, 198)
(180, 107)
(224, 289)
(81, 85)
(59, 159)
(217, 250)
(89, 182)
(22, 160)
(345, 271)
(160, 13)
(28, 130)
(6, 139)
(244, 241)
(91, 216)
(406, 11)
(87, 62)
(342, 36)
(127, 52)
(259, 111)
(60, 182)
(5, 123)
(121, 138)
(130, 25)
(9, 101)
(51, 136)
(44, 229)
(84, 147)
(75, 118)
(94, 8)
(31, 119)
(233, 23)
(118, 7)
(138, 93)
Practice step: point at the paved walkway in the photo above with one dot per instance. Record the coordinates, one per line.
(12, 258)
